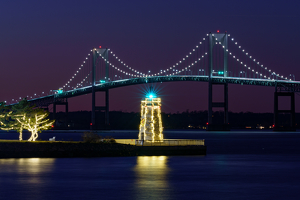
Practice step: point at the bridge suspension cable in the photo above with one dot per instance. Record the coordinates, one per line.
(195, 62)
(257, 64)
(187, 64)
(123, 64)
(182, 61)
(84, 63)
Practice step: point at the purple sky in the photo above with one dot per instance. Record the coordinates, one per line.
(42, 44)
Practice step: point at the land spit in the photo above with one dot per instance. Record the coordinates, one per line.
(59, 149)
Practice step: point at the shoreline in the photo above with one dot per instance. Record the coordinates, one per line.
(61, 149)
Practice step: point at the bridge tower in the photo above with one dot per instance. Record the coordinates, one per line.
(286, 90)
(217, 38)
(96, 53)
(61, 101)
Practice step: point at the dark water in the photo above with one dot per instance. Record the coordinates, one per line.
(238, 165)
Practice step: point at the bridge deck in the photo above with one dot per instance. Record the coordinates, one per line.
(291, 86)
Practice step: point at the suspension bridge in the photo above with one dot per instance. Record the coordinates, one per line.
(217, 59)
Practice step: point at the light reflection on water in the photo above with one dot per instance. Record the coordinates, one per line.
(28, 165)
(27, 173)
(144, 177)
(152, 177)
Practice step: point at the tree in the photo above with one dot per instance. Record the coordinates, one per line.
(35, 122)
(5, 115)
(10, 114)
(2, 113)
(19, 111)
(24, 116)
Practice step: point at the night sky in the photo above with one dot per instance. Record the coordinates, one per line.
(42, 44)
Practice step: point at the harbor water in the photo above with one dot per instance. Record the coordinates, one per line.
(238, 165)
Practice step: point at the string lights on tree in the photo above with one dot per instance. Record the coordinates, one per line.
(35, 122)
(24, 116)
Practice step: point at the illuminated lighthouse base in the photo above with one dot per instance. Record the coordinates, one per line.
(151, 141)
(151, 125)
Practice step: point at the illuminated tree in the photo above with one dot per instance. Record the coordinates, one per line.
(23, 107)
(24, 116)
(5, 121)
(35, 122)
(11, 113)
(5, 114)
(2, 113)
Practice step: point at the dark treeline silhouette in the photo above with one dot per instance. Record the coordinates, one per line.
(185, 120)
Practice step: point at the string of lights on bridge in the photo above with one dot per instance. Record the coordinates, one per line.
(78, 70)
(254, 60)
(167, 72)
(158, 73)
(140, 74)
(186, 68)
(55, 91)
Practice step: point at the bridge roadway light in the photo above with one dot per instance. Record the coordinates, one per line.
(59, 91)
(243, 72)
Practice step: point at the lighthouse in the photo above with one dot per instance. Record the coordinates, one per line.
(151, 124)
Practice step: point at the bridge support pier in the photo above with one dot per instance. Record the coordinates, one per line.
(65, 103)
(100, 108)
(292, 122)
(210, 125)
(107, 109)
